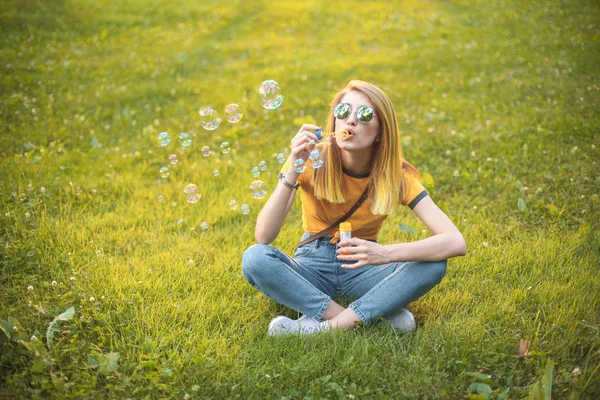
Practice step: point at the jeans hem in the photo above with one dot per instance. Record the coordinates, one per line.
(324, 306)
(360, 314)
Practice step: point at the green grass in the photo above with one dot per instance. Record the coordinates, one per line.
(497, 101)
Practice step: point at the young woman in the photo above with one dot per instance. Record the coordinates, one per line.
(382, 278)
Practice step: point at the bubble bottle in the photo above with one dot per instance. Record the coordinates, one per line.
(346, 233)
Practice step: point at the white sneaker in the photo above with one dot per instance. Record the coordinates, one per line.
(402, 320)
(305, 325)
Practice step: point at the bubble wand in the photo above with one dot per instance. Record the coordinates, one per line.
(315, 155)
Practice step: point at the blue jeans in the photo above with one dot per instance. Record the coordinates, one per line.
(314, 277)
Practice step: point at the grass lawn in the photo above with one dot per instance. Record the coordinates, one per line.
(111, 286)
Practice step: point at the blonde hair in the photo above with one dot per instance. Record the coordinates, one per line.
(388, 169)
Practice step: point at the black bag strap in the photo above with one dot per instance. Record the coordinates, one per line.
(336, 223)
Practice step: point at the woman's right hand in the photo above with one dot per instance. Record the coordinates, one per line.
(301, 143)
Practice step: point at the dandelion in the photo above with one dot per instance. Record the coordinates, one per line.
(92, 299)
(576, 371)
(456, 173)
(54, 283)
(27, 215)
(30, 288)
(72, 278)
(43, 189)
(485, 244)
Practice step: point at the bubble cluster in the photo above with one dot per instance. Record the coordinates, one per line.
(262, 165)
(314, 155)
(209, 118)
(318, 164)
(255, 172)
(234, 113)
(216, 172)
(160, 198)
(270, 93)
(164, 172)
(245, 209)
(204, 226)
(173, 159)
(192, 194)
(281, 158)
(233, 205)
(185, 139)
(225, 147)
(300, 165)
(163, 139)
(258, 190)
(206, 151)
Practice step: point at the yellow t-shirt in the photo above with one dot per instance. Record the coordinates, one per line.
(320, 214)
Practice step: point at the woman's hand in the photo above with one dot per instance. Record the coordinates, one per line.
(304, 141)
(365, 251)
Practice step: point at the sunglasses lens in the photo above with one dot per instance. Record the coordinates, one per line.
(365, 114)
(341, 111)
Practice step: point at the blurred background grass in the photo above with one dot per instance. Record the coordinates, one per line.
(498, 108)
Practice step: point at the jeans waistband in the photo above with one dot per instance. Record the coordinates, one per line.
(322, 240)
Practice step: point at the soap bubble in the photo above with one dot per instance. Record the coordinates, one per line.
(233, 205)
(258, 190)
(173, 159)
(245, 209)
(216, 172)
(210, 118)
(163, 139)
(314, 155)
(299, 164)
(262, 165)
(192, 195)
(185, 139)
(204, 226)
(281, 158)
(270, 93)
(181, 221)
(225, 147)
(160, 198)
(318, 164)
(234, 113)
(164, 172)
(255, 172)
(206, 151)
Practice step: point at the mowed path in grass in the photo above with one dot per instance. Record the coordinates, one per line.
(498, 109)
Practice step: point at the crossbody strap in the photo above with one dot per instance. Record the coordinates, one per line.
(336, 223)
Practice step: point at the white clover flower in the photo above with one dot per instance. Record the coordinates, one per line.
(30, 288)
(54, 283)
(33, 337)
(92, 299)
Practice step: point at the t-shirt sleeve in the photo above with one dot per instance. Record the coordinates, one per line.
(414, 189)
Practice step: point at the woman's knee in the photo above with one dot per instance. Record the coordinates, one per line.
(255, 261)
(438, 270)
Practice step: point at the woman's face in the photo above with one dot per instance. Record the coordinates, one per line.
(362, 135)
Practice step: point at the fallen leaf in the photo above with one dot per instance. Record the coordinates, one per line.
(523, 348)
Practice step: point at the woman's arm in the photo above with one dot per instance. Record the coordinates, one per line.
(446, 242)
(271, 217)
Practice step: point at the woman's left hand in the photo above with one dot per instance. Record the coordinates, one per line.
(364, 251)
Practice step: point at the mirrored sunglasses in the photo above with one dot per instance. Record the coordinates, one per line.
(364, 113)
